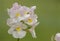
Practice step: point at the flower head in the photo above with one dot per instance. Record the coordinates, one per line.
(57, 37)
(21, 17)
(17, 30)
(18, 12)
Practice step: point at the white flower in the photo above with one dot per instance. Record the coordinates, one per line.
(32, 19)
(17, 30)
(19, 15)
(57, 37)
(18, 11)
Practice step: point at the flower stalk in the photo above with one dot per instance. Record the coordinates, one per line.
(18, 39)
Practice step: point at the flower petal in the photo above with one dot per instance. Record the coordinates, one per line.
(34, 25)
(11, 21)
(10, 31)
(57, 37)
(20, 34)
(33, 7)
(32, 31)
(15, 5)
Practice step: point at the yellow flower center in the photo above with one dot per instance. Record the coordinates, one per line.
(18, 29)
(29, 20)
(17, 14)
(26, 12)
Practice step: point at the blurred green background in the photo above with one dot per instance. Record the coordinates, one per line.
(48, 12)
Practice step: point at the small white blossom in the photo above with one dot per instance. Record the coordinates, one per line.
(18, 11)
(57, 37)
(17, 30)
(32, 19)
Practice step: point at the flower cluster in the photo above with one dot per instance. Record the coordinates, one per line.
(22, 19)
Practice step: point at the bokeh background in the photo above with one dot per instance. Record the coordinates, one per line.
(48, 12)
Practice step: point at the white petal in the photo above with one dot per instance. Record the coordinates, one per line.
(26, 16)
(10, 31)
(33, 7)
(32, 31)
(23, 26)
(15, 34)
(23, 17)
(20, 34)
(9, 12)
(15, 4)
(19, 19)
(57, 37)
(26, 8)
(34, 16)
(10, 22)
(34, 25)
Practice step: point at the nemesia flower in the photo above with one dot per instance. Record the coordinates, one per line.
(18, 11)
(32, 19)
(17, 30)
(21, 18)
(57, 37)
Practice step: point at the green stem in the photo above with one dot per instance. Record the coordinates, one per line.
(18, 39)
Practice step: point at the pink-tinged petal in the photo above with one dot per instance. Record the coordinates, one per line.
(15, 6)
(20, 34)
(57, 37)
(32, 31)
(33, 7)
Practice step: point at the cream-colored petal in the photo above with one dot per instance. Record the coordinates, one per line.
(57, 37)
(31, 11)
(20, 34)
(34, 21)
(32, 31)
(10, 31)
(23, 26)
(34, 25)
(15, 5)
(26, 16)
(26, 8)
(33, 7)
(11, 12)
(15, 34)
(23, 17)
(10, 22)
